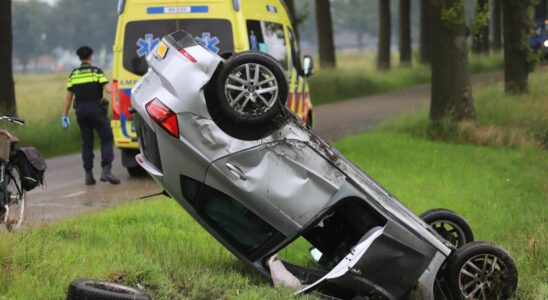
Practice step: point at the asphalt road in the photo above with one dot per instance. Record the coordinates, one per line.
(66, 195)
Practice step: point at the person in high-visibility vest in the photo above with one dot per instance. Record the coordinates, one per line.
(86, 85)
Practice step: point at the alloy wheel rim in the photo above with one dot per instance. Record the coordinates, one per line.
(251, 89)
(481, 277)
(450, 231)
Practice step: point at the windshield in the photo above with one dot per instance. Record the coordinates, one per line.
(142, 36)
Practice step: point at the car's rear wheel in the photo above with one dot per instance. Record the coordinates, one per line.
(250, 91)
(482, 271)
(449, 225)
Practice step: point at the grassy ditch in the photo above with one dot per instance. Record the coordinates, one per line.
(501, 191)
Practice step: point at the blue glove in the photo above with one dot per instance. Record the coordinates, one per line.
(65, 122)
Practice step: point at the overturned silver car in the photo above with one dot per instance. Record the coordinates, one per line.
(215, 133)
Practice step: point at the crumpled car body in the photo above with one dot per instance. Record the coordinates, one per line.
(257, 196)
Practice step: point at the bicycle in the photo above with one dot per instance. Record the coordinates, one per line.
(12, 194)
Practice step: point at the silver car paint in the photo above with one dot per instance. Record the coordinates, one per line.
(303, 164)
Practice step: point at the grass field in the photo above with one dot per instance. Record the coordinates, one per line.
(155, 244)
(40, 98)
(40, 102)
(357, 76)
(502, 191)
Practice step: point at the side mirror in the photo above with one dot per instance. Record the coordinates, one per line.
(308, 66)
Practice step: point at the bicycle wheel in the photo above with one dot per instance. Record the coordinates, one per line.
(14, 198)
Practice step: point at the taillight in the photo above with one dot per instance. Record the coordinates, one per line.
(115, 100)
(163, 116)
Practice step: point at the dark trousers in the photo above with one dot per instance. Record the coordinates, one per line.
(95, 119)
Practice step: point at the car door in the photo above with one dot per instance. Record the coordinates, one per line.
(286, 183)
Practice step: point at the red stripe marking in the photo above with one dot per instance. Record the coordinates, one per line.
(187, 55)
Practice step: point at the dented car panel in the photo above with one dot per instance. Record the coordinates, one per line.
(257, 196)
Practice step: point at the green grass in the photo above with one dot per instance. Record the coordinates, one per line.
(40, 102)
(154, 243)
(501, 191)
(356, 76)
(502, 120)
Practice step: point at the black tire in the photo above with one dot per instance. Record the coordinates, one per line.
(449, 225)
(261, 106)
(90, 289)
(494, 276)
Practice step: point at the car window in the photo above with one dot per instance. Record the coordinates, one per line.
(234, 221)
(269, 38)
(142, 36)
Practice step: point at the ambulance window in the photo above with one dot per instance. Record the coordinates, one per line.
(295, 52)
(268, 37)
(140, 38)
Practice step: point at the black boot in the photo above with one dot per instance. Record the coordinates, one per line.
(107, 175)
(89, 178)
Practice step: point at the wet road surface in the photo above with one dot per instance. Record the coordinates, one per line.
(67, 196)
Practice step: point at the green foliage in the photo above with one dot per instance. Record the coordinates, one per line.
(453, 14)
(39, 28)
(481, 19)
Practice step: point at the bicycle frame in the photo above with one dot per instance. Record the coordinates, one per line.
(14, 197)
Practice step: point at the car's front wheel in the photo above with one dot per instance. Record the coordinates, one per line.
(449, 225)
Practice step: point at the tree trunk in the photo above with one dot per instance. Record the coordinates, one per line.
(497, 25)
(405, 32)
(293, 16)
(424, 47)
(541, 10)
(383, 58)
(325, 34)
(480, 40)
(451, 91)
(7, 90)
(516, 29)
